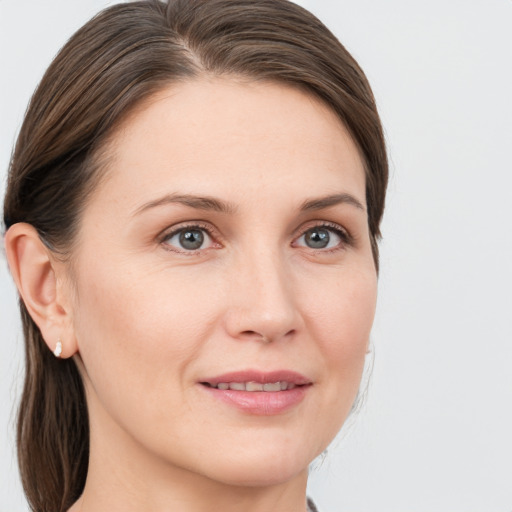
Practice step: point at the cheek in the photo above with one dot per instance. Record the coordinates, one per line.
(138, 331)
(341, 318)
(351, 319)
(341, 311)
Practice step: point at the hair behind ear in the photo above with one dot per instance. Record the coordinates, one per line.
(53, 426)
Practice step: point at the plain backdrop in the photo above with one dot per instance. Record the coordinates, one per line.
(435, 433)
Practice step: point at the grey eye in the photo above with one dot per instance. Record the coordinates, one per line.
(317, 238)
(320, 237)
(189, 239)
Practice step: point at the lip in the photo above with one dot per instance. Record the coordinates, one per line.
(259, 376)
(261, 403)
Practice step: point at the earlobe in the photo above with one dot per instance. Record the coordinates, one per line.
(35, 274)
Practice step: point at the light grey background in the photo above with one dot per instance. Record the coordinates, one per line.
(435, 435)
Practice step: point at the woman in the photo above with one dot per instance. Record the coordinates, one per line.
(192, 217)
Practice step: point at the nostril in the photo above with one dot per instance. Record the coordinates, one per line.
(251, 334)
(256, 336)
(264, 338)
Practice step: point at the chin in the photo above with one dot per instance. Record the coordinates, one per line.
(261, 467)
(264, 476)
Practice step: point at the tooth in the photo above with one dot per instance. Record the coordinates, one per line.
(237, 386)
(291, 385)
(223, 385)
(253, 386)
(284, 385)
(275, 386)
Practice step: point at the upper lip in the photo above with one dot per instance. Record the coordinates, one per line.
(263, 377)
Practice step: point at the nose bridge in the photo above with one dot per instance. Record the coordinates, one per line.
(262, 293)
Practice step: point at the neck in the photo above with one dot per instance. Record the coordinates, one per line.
(203, 498)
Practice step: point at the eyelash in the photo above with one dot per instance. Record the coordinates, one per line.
(346, 238)
(199, 226)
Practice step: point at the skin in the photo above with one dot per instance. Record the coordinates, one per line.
(146, 319)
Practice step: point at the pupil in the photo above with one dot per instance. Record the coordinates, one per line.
(317, 238)
(191, 239)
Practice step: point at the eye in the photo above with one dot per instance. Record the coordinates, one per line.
(323, 237)
(189, 238)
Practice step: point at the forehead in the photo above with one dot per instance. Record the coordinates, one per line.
(223, 136)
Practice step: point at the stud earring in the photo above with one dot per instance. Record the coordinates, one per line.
(58, 349)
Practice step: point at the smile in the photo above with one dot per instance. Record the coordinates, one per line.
(259, 393)
(253, 386)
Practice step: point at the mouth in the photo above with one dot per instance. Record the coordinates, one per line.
(259, 393)
(251, 386)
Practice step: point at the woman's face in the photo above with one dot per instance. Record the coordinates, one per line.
(227, 248)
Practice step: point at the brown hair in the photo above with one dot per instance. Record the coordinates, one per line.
(119, 58)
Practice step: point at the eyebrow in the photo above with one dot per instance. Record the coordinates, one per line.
(197, 202)
(213, 204)
(332, 200)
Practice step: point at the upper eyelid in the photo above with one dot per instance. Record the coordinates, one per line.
(215, 234)
(323, 223)
(172, 230)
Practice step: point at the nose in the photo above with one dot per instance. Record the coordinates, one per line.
(261, 300)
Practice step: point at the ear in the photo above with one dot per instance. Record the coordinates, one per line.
(40, 281)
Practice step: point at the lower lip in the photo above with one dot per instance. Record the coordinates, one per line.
(262, 403)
